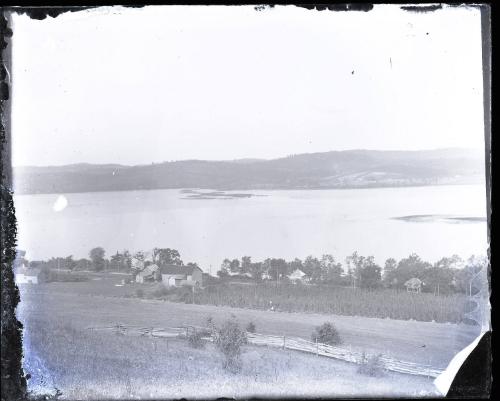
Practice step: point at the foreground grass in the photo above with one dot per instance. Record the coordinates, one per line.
(383, 303)
(103, 365)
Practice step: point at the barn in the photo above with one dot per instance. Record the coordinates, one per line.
(178, 276)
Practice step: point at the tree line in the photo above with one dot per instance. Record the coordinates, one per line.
(120, 261)
(447, 275)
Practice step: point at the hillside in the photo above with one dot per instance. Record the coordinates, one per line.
(336, 169)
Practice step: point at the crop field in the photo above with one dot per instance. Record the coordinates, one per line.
(339, 301)
(381, 303)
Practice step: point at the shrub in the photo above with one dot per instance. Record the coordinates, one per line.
(371, 366)
(228, 339)
(183, 294)
(251, 327)
(195, 339)
(326, 334)
(139, 293)
(160, 291)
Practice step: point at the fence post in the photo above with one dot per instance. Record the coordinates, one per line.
(317, 349)
(284, 341)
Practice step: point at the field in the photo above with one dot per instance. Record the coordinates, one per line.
(57, 315)
(86, 365)
(343, 301)
(339, 301)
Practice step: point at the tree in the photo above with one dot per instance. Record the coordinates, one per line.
(228, 339)
(234, 266)
(224, 268)
(167, 256)
(276, 268)
(69, 263)
(312, 267)
(97, 257)
(364, 271)
(410, 267)
(295, 264)
(439, 278)
(192, 264)
(83, 264)
(473, 277)
(246, 263)
(370, 274)
(121, 261)
(389, 270)
(331, 271)
(256, 270)
(222, 273)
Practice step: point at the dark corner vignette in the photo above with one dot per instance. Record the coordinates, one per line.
(13, 380)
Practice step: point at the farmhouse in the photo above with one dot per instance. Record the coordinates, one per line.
(414, 285)
(297, 276)
(177, 276)
(28, 276)
(148, 274)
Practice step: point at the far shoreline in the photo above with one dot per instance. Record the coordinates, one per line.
(183, 188)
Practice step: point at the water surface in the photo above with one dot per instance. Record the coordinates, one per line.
(288, 223)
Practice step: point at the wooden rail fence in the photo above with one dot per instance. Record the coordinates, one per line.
(284, 342)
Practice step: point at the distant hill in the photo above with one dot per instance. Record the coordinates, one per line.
(336, 169)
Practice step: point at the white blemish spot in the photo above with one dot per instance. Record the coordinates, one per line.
(60, 203)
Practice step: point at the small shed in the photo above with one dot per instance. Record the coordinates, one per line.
(414, 285)
(147, 275)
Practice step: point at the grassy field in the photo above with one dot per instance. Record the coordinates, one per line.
(88, 365)
(413, 341)
(61, 353)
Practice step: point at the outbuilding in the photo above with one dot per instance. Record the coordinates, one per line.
(178, 276)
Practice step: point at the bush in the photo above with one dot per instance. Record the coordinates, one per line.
(326, 334)
(195, 339)
(228, 339)
(251, 327)
(160, 291)
(371, 366)
(183, 294)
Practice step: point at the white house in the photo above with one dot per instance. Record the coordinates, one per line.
(297, 276)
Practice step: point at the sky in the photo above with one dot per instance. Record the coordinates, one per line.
(137, 86)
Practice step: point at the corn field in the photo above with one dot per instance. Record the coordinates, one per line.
(382, 303)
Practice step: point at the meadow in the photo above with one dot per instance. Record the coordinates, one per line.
(71, 363)
(425, 343)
